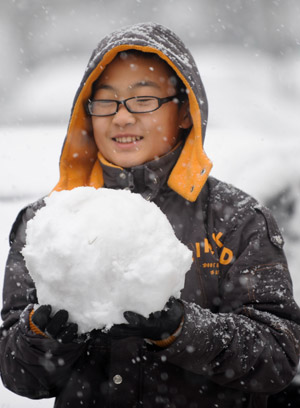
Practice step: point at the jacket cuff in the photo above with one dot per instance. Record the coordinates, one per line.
(169, 340)
(33, 327)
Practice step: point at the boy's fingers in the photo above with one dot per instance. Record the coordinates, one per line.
(57, 322)
(176, 309)
(133, 318)
(41, 316)
(124, 330)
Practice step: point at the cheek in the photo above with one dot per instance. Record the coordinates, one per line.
(98, 133)
(99, 127)
(160, 122)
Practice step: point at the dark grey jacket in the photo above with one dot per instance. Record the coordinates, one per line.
(241, 325)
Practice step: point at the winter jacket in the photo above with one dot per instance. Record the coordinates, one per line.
(239, 340)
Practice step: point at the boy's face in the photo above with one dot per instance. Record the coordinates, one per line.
(130, 139)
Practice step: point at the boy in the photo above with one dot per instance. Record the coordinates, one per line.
(138, 122)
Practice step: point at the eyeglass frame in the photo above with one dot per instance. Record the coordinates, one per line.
(161, 101)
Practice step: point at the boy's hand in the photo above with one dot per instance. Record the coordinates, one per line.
(56, 327)
(159, 326)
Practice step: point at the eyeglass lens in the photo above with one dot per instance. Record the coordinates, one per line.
(109, 107)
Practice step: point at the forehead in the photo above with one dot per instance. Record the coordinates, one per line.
(131, 67)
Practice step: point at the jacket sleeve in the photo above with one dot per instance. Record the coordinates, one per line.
(30, 365)
(252, 344)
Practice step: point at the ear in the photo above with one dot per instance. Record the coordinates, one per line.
(185, 119)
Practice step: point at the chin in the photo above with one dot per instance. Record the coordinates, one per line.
(127, 163)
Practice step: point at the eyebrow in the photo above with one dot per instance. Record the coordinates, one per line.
(145, 83)
(135, 86)
(103, 86)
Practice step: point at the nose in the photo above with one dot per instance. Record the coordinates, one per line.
(123, 117)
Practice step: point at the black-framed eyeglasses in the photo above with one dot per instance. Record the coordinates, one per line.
(136, 104)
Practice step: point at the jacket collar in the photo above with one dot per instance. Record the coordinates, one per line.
(147, 179)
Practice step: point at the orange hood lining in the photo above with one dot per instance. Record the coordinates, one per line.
(79, 165)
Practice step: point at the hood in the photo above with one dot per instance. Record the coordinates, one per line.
(79, 164)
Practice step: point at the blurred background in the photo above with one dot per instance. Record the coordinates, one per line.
(247, 52)
(45, 44)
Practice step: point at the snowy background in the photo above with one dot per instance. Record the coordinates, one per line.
(247, 51)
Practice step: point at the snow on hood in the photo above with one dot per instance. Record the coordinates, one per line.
(79, 165)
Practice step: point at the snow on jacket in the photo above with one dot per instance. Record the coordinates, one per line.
(241, 325)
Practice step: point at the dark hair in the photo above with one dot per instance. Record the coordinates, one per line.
(174, 78)
(181, 90)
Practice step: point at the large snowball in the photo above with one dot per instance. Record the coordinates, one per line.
(98, 253)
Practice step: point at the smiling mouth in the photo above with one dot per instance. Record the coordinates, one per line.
(127, 139)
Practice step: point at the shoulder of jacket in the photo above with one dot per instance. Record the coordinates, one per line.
(225, 193)
(26, 214)
(233, 207)
(230, 203)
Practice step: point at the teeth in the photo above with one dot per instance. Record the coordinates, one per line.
(128, 139)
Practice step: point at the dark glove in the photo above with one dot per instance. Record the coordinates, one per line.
(56, 327)
(158, 326)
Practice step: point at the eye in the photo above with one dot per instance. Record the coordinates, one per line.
(143, 104)
(145, 101)
(105, 103)
(103, 107)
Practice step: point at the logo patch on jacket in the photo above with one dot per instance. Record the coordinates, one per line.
(203, 250)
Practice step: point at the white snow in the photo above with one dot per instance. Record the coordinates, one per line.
(98, 253)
